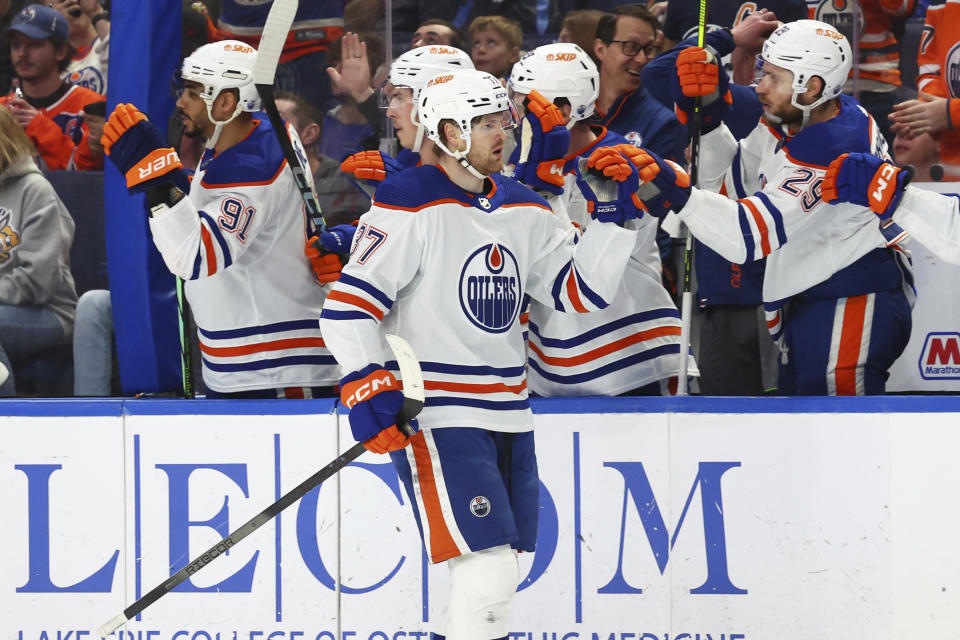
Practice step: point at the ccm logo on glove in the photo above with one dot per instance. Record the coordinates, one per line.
(363, 389)
(884, 187)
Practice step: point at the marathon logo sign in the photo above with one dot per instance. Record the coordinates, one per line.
(940, 358)
(490, 290)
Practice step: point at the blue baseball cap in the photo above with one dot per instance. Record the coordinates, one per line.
(39, 22)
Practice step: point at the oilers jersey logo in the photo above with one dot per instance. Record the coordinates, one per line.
(951, 68)
(490, 290)
(480, 506)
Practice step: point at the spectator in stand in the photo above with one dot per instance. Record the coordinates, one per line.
(354, 123)
(936, 110)
(436, 31)
(535, 18)
(89, 43)
(580, 28)
(878, 66)
(922, 152)
(8, 9)
(339, 200)
(49, 107)
(495, 44)
(316, 26)
(37, 296)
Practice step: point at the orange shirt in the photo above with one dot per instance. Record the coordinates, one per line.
(59, 133)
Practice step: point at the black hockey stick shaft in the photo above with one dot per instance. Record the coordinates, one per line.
(686, 299)
(183, 314)
(236, 536)
(272, 39)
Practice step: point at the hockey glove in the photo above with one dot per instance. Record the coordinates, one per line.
(700, 74)
(865, 179)
(367, 169)
(139, 150)
(544, 141)
(609, 184)
(374, 399)
(664, 185)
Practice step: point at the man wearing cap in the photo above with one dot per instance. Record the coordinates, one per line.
(47, 107)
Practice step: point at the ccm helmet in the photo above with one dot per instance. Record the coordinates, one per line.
(412, 70)
(226, 64)
(560, 70)
(462, 96)
(810, 48)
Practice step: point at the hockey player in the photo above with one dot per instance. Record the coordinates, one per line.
(238, 239)
(409, 73)
(443, 258)
(930, 217)
(837, 292)
(631, 346)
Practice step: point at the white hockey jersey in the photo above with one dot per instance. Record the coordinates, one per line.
(238, 241)
(632, 342)
(933, 219)
(448, 271)
(775, 207)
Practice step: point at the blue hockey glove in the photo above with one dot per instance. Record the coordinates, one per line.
(367, 169)
(865, 179)
(139, 150)
(338, 239)
(544, 141)
(664, 184)
(700, 74)
(609, 182)
(374, 398)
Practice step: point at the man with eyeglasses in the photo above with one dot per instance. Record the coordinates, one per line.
(627, 39)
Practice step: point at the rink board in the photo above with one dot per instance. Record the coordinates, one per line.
(661, 519)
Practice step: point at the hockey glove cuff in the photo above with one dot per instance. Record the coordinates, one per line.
(374, 399)
(664, 185)
(544, 141)
(609, 183)
(700, 75)
(139, 150)
(866, 180)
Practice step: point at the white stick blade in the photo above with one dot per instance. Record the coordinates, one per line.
(112, 625)
(409, 366)
(272, 39)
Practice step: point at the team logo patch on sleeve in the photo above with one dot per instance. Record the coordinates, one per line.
(480, 506)
(490, 290)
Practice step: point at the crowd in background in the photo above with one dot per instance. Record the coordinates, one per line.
(53, 76)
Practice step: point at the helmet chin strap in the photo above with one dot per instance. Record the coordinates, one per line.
(419, 140)
(461, 157)
(219, 124)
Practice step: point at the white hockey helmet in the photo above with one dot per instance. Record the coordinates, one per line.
(559, 70)
(412, 70)
(225, 64)
(462, 96)
(810, 48)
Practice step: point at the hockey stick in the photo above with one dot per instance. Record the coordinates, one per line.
(273, 37)
(413, 392)
(686, 300)
(183, 319)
